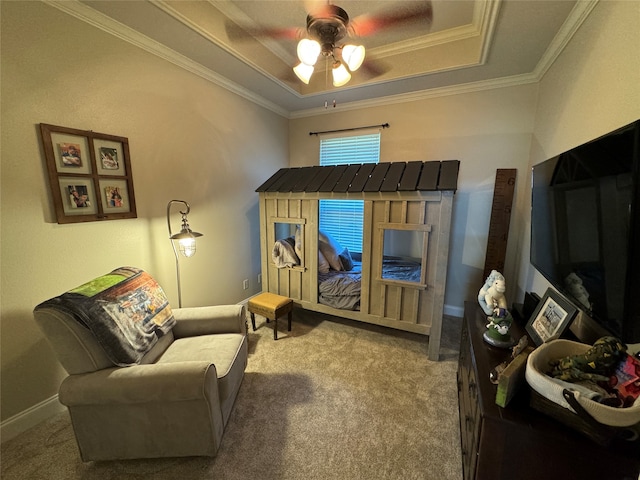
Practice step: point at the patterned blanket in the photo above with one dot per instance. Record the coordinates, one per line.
(126, 310)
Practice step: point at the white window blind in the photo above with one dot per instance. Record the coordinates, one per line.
(343, 219)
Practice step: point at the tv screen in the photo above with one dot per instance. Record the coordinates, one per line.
(583, 222)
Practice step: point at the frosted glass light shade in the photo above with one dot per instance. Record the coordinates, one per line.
(304, 72)
(353, 56)
(340, 76)
(308, 51)
(187, 246)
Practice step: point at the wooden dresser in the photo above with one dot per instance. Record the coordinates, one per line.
(518, 442)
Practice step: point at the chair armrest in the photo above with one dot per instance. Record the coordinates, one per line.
(161, 382)
(194, 321)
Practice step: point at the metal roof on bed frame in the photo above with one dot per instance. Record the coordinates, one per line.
(367, 177)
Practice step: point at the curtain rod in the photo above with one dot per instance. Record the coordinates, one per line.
(384, 125)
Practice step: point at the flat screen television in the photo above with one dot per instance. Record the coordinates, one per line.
(585, 230)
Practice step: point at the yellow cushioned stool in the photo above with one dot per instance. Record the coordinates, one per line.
(270, 305)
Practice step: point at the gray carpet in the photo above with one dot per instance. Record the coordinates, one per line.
(333, 399)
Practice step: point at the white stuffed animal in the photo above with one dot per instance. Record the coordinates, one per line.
(491, 294)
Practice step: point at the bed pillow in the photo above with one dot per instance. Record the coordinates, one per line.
(346, 260)
(330, 249)
(323, 265)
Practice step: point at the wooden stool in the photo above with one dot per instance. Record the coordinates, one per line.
(270, 305)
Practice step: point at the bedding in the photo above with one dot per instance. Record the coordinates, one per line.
(340, 272)
(342, 289)
(283, 253)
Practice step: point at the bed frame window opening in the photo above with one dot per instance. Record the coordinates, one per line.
(288, 242)
(404, 255)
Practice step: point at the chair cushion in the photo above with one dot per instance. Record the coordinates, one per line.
(224, 350)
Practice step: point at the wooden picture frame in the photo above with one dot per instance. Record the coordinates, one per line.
(89, 174)
(551, 317)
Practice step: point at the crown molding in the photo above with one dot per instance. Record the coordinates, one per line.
(485, 15)
(578, 15)
(117, 29)
(575, 19)
(471, 87)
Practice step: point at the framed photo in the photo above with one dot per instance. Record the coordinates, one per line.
(89, 174)
(551, 317)
(78, 196)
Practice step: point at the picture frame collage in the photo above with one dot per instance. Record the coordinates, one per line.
(89, 174)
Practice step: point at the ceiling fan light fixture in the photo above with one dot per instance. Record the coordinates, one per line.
(308, 51)
(304, 72)
(353, 56)
(340, 75)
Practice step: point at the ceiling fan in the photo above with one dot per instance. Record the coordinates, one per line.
(329, 31)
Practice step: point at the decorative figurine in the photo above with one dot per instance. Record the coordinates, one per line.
(497, 333)
(494, 303)
(491, 294)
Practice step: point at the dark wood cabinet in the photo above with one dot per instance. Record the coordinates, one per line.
(518, 442)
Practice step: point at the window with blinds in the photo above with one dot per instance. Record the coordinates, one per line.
(343, 219)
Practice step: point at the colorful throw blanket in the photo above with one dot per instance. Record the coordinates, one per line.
(126, 310)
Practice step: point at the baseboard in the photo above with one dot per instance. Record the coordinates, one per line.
(30, 417)
(452, 311)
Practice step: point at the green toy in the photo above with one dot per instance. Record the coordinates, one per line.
(597, 364)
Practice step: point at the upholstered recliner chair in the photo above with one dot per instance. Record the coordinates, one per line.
(144, 380)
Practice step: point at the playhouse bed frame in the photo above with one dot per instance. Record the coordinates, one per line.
(415, 196)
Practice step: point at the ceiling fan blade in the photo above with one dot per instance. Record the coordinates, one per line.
(368, 24)
(236, 32)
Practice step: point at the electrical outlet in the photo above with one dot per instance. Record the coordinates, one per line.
(245, 284)
(259, 278)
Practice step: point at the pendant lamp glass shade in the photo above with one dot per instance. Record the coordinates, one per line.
(308, 51)
(303, 72)
(353, 56)
(340, 75)
(186, 241)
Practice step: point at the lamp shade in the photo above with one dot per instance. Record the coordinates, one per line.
(353, 56)
(186, 241)
(340, 75)
(308, 51)
(304, 72)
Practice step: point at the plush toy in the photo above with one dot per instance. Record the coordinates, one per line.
(596, 364)
(491, 295)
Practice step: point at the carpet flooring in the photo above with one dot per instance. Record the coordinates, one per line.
(332, 399)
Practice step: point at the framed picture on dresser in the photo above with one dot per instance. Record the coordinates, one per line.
(551, 317)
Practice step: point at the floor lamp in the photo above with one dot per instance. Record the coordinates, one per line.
(186, 240)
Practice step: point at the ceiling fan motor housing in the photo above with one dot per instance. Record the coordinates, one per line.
(328, 27)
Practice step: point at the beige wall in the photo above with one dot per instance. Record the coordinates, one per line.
(485, 130)
(189, 139)
(591, 90)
